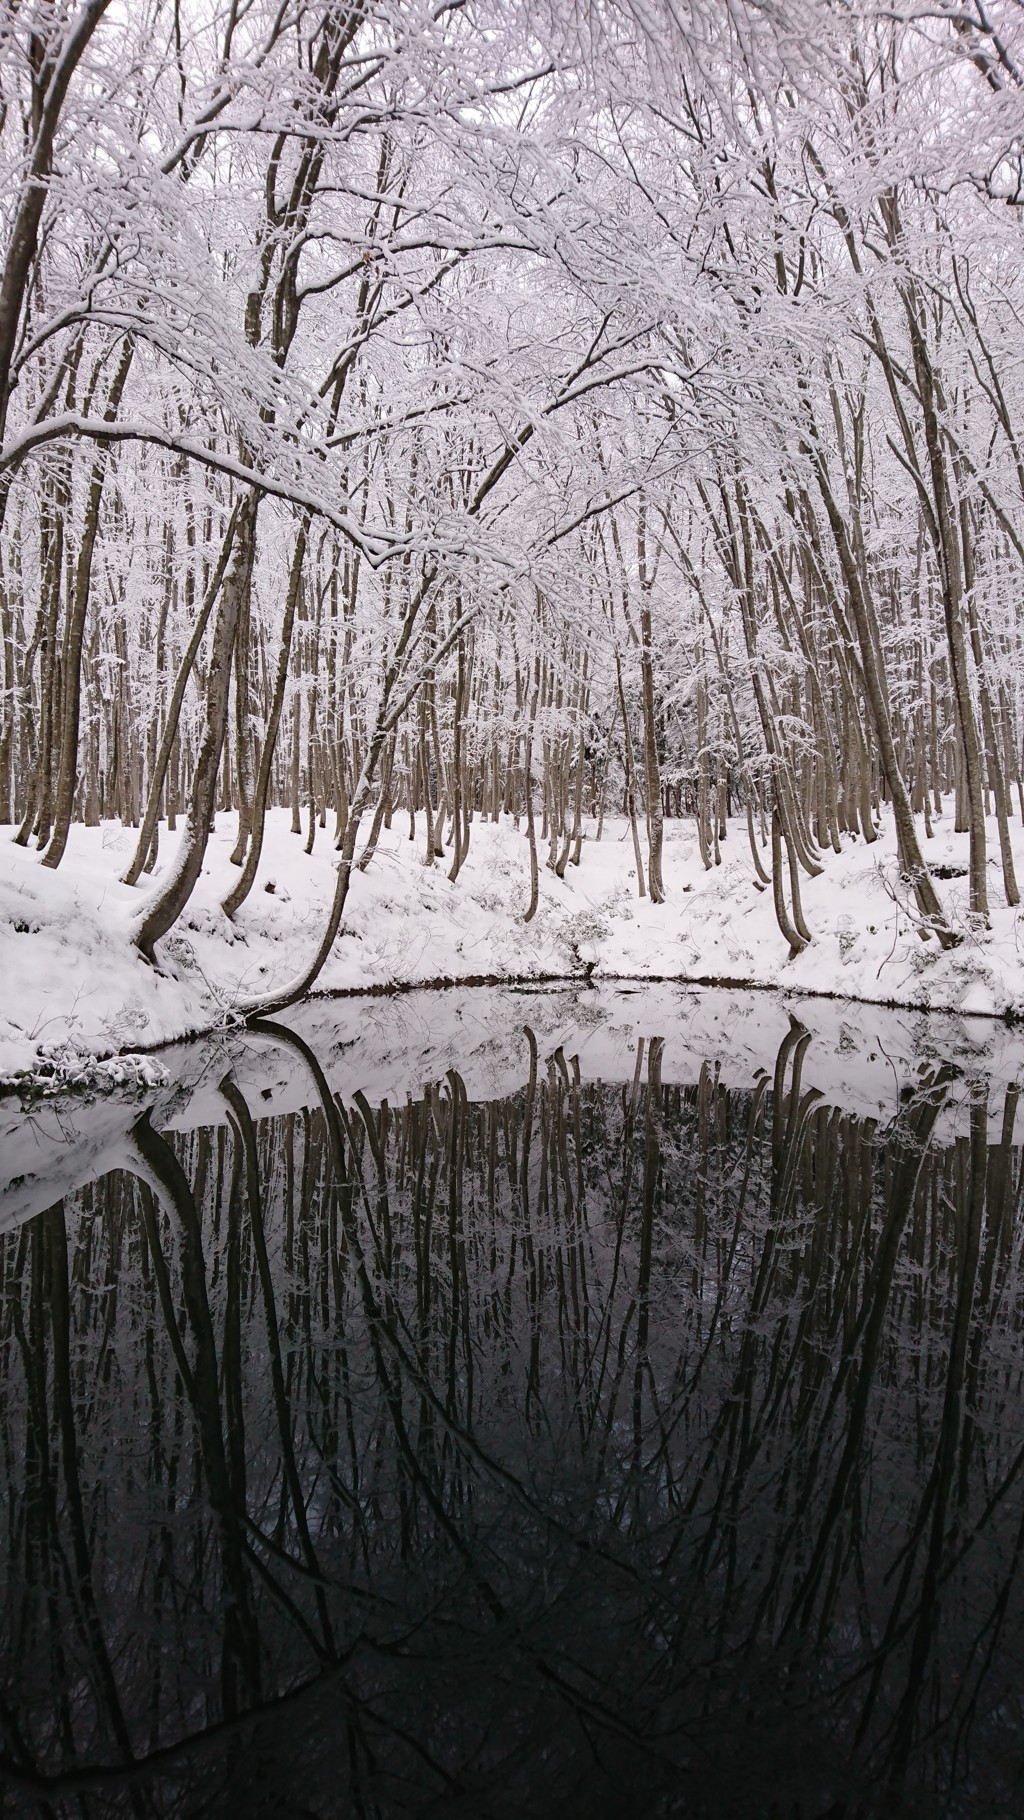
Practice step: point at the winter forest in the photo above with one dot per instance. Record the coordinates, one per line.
(578, 415)
(523, 497)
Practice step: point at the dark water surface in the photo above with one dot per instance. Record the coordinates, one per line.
(644, 1439)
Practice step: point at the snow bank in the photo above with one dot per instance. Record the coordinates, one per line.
(72, 979)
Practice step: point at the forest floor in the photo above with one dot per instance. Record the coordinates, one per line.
(74, 986)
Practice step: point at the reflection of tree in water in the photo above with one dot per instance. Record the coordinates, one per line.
(632, 1451)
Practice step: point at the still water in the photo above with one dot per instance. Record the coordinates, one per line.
(608, 1407)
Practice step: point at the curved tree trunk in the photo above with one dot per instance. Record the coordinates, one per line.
(53, 64)
(381, 810)
(797, 943)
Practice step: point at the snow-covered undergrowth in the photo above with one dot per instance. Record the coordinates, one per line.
(63, 1068)
(73, 984)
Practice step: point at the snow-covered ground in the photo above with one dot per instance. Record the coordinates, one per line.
(73, 984)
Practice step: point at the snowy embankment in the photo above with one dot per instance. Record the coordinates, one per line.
(74, 987)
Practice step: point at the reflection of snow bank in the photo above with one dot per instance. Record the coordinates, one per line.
(863, 1059)
(70, 974)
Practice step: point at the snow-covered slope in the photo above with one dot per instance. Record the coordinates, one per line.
(73, 983)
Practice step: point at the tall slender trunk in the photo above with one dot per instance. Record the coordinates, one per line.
(174, 706)
(944, 531)
(531, 827)
(911, 858)
(239, 892)
(630, 771)
(652, 772)
(166, 906)
(67, 775)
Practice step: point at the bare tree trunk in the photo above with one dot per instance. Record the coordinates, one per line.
(296, 766)
(627, 759)
(994, 762)
(577, 807)
(67, 775)
(55, 57)
(164, 909)
(152, 811)
(56, 503)
(911, 858)
(243, 724)
(652, 772)
(797, 942)
(237, 896)
(382, 806)
(457, 779)
(531, 827)
(948, 551)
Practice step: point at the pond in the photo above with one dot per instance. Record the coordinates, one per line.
(521, 1404)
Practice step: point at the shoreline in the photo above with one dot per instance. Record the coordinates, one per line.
(76, 992)
(398, 1046)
